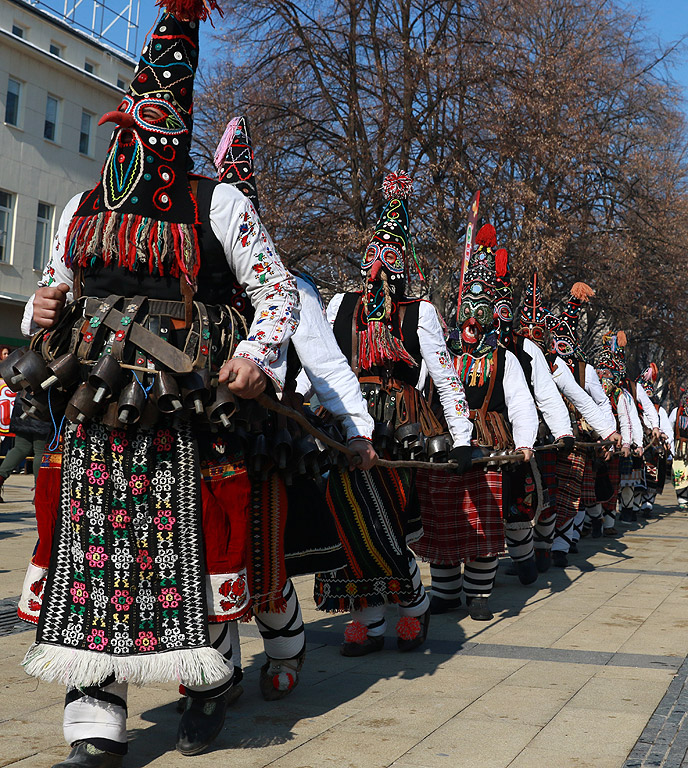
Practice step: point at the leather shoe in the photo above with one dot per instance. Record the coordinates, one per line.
(559, 559)
(543, 560)
(404, 628)
(573, 549)
(369, 645)
(627, 516)
(200, 724)
(85, 755)
(438, 606)
(611, 533)
(527, 570)
(478, 609)
(279, 677)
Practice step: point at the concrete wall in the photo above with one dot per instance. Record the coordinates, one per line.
(33, 168)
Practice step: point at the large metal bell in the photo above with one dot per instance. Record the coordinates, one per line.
(105, 378)
(166, 393)
(196, 393)
(131, 403)
(81, 406)
(223, 407)
(64, 370)
(30, 372)
(7, 369)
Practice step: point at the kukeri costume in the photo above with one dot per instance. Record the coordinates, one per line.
(655, 454)
(126, 598)
(311, 541)
(679, 423)
(462, 515)
(575, 379)
(554, 423)
(385, 337)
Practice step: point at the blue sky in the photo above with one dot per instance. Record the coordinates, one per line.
(666, 22)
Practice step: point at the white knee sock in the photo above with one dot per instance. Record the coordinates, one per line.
(283, 634)
(98, 715)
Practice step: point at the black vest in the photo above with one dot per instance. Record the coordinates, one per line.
(526, 362)
(406, 331)
(216, 283)
(476, 395)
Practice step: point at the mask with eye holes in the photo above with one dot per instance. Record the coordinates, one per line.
(144, 197)
(476, 331)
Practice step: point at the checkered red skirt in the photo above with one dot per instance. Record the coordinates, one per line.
(570, 471)
(462, 515)
(588, 495)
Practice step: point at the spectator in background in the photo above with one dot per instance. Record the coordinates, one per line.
(30, 438)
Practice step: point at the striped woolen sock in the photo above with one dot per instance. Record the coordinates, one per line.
(562, 537)
(446, 581)
(221, 640)
(578, 524)
(420, 602)
(479, 576)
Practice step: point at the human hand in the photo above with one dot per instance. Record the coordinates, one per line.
(626, 450)
(616, 438)
(527, 453)
(568, 443)
(364, 449)
(461, 455)
(243, 377)
(48, 302)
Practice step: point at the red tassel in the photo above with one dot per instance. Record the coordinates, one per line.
(486, 236)
(398, 184)
(190, 10)
(501, 262)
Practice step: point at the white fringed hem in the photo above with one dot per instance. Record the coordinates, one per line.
(78, 668)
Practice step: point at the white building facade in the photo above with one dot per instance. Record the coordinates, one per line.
(55, 83)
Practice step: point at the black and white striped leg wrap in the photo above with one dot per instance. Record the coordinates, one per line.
(626, 498)
(282, 631)
(594, 512)
(637, 499)
(562, 537)
(608, 519)
(372, 617)
(682, 496)
(446, 581)
(479, 576)
(221, 640)
(98, 715)
(420, 602)
(543, 532)
(519, 540)
(578, 524)
(648, 500)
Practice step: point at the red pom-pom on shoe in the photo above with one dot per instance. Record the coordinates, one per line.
(487, 236)
(398, 184)
(356, 633)
(408, 627)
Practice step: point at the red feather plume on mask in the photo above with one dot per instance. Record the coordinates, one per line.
(190, 10)
(486, 236)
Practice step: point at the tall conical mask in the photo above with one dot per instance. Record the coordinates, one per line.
(234, 159)
(142, 215)
(565, 332)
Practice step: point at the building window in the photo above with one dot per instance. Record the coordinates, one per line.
(41, 247)
(90, 67)
(12, 102)
(50, 127)
(55, 49)
(17, 31)
(121, 84)
(6, 215)
(85, 133)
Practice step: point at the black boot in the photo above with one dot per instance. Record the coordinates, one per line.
(409, 643)
(200, 724)
(85, 755)
(573, 549)
(596, 527)
(527, 570)
(626, 516)
(543, 560)
(279, 677)
(559, 559)
(437, 605)
(478, 609)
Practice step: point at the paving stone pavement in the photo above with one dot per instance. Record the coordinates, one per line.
(585, 668)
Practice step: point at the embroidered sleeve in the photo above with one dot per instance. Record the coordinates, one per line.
(55, 271)
(329, 372)
(519, 403)
(270, 287)
(650, 417)
(547, 397)
(440, 367)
